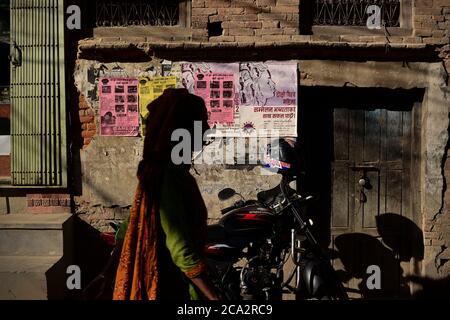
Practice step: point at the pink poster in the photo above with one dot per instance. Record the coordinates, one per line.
(119, 112)
(217, 90)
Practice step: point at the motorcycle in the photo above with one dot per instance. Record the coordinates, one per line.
(248, 248)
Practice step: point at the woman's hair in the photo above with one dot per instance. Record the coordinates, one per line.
(174, 109)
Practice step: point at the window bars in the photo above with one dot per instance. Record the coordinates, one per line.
(354, 12)
(122, 13)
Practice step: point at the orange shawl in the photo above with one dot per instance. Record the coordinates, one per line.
(137, 273)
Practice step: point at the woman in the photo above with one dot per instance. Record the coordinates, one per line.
(162, 248)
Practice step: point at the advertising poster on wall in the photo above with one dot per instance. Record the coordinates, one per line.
(151, 88)
(268, 97)
(119, 112)
(264, 97)
(219, 88)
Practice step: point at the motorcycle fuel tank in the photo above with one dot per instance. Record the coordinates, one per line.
(250, 222)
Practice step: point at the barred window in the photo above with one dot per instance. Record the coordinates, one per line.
(123, 13)
(354, 12)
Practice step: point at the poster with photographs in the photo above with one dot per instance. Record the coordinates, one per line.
(264, 95)
(217, 90)
(119, 112)
(218, 87)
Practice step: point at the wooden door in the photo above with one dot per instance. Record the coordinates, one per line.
(372, 224)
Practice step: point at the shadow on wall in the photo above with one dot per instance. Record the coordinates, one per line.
(400, 241)
(83, 247)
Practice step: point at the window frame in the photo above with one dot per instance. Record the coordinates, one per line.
(405, 28)
(182, 29)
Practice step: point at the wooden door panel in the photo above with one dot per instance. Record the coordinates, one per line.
(378, 140)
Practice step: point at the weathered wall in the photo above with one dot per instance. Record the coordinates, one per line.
(434, 210)
(437, 227)
(108, 164)
(428, 22)
(278, 20)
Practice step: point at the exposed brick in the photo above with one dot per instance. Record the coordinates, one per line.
(270, 24)
(242, 17)
(200, 35)
(253, 24)
(241, 32)
(425, 10)
(222, 39)
(422, 17)
(427, 24)
(199, 24)
(199, 18)
(91, 126)
(266, 2)
(444, 40)
(86, 112)
(85, 119)
(271, 16)
(83, 104)
(216, 18)
(253, 9)
(198, 3)
(301, 37)
(423, 3)
(437, 18)
(230, 11)
(206, 11)
(288, 24)
(267, 31)
(440, 3)
(276, 37)
(293, 17)
(284, 9)
(290, 30)
(242, 24)
(444, 25)
(438, 33)
(218, 3)
(88, 133)
(244, 38)
(287, 2)
(412, 39)
(423, 32)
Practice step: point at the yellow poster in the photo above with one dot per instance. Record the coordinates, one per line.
(152, 88)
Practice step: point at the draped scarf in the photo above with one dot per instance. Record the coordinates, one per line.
(137, 272)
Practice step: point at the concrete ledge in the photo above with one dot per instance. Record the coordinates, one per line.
(33, 221)
(127, 50)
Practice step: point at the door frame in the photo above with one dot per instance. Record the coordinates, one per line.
(431, 126)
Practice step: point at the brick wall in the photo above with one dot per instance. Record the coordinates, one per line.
(87, 121)
(278, 20)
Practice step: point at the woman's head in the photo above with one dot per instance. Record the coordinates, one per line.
(174, 109)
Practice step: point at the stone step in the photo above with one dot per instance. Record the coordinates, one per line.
(25, 277)
(32, 234)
